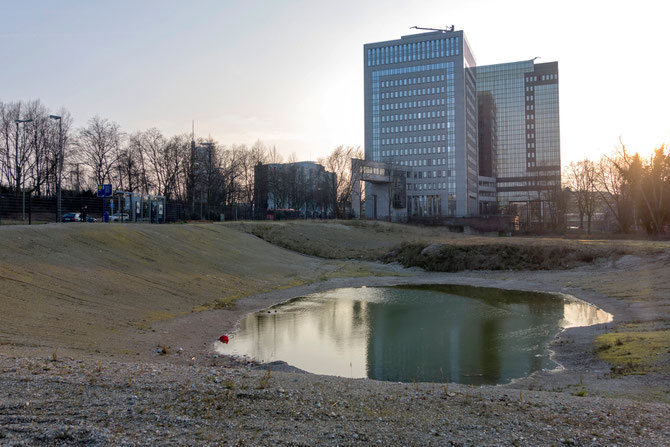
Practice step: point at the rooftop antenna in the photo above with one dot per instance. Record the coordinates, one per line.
(445, 30)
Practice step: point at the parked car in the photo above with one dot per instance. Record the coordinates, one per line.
(72, 217)
(77, 217)
(123, 217)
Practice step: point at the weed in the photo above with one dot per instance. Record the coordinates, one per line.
(580, 393)
(54, 356)
(229, 384)
(98, 367)
(635, 352)
(164, 350)
(454, 258)
(602, 347)
(265, 380)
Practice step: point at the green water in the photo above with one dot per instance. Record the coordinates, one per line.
(430, 333)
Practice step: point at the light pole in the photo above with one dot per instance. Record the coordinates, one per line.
(23, 179)
(60, 164)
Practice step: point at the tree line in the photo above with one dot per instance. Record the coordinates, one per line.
(202, 172)
(632, 190)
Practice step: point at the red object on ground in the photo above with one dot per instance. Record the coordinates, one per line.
(223, 339)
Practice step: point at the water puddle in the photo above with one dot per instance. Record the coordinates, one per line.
(430, 333)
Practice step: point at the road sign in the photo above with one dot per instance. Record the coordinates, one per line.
(104, 190)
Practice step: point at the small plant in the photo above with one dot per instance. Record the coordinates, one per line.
(521, 402)
(98, 368)
(265, 380)
(54, 356)
(130, 381)
(164, 350)
(580, 393)
(229, 384)
(618, 342)
(603, 347)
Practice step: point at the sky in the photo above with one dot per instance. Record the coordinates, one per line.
(290, 72)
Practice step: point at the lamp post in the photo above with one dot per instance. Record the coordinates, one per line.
(60, 165)
(23, 179)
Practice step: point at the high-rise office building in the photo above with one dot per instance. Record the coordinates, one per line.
(519, 127)
(446, 138)
(421, 126)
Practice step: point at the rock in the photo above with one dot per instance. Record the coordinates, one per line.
(431, 250)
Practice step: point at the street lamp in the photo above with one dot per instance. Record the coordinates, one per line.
(23, 179)
(60, 164)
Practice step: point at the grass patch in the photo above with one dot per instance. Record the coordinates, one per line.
(635, 352)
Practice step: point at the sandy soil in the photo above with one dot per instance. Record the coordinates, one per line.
(85, 310)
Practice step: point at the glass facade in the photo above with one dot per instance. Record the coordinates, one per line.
(421, 118)
(457, 131)
(415, 51)
(526, 127)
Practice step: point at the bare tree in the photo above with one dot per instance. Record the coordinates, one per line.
(162, 160)
(41, 166)
(339, 162)
(129, 165)
(258, 153)
(231, 172)
(16, 150)
(581, 179)
(614, 189)
(274, 156)
(556, 199)
(99, 144)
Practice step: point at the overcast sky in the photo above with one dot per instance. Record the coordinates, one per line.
(291, 72)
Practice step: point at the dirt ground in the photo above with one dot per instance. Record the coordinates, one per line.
(155, 298)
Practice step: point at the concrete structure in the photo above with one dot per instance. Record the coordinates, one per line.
(303, 189)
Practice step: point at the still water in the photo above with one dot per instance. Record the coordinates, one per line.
(431, 333)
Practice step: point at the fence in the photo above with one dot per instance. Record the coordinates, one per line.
(17, 209)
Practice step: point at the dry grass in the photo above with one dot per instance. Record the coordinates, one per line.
(86, 286)
(453, 251)
(498, 256)
(342, 239)
(89, 286)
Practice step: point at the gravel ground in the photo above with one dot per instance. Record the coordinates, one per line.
(89, 402)
(190, 396)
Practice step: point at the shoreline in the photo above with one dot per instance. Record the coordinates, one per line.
(177, 332)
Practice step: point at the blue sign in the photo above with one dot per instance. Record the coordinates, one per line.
(104, 190)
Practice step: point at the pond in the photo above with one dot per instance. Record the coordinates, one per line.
(427, 333)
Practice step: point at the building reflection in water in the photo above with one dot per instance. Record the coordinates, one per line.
(420, 333)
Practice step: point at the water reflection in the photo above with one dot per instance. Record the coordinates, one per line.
(424, 333)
